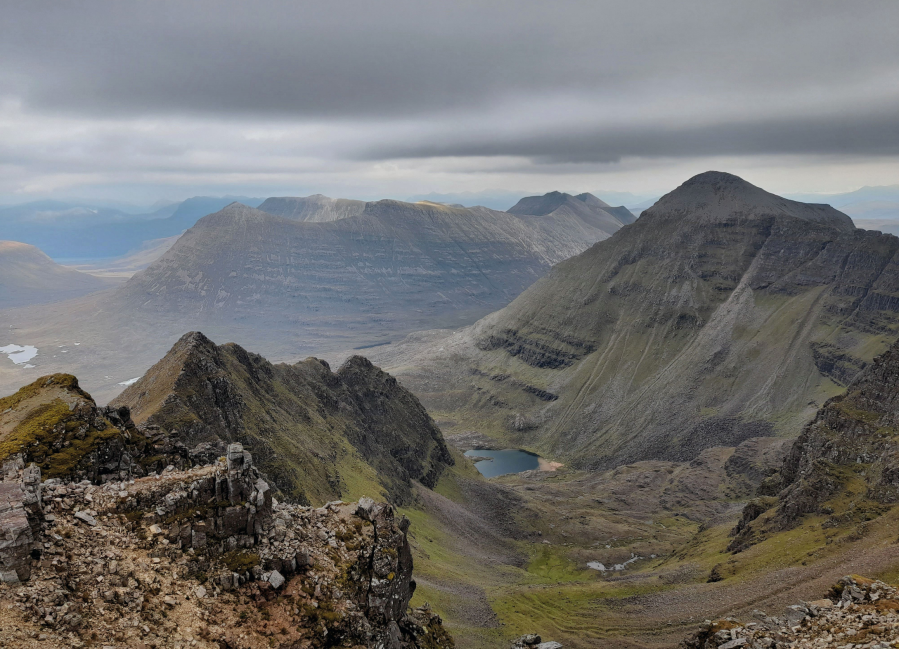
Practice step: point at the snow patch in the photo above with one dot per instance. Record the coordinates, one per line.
(130, 381)
(596, 565)
(18, 354)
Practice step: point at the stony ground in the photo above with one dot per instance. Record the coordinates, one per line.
(859, 614)
(105, 576)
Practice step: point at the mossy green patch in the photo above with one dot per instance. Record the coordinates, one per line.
(550, 564)
(55, 438)
(62, 381)
(239, 561)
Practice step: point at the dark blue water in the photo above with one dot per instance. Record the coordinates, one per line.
(507, 461)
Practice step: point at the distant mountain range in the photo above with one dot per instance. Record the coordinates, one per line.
(66, 231)
(335, 268)
(871, 208)
(314, 275)
(501, 199)
(585, 207)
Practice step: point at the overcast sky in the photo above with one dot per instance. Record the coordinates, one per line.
(148, 100)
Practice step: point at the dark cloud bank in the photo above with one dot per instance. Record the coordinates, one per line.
(555, 82)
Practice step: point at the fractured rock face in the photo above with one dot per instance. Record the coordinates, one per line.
(20, 518)
(852, 438)
(291, 416)
(58, 426)
(859, 612)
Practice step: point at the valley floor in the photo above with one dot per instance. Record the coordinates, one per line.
(509, 556)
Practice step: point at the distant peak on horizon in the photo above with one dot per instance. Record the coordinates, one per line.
(541, 205)
(715, 195)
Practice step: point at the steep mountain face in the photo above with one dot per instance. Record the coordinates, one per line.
(354, 281)
(845, 464)
(316, 208)
(28, 276)
(317, 434)
(723, 313)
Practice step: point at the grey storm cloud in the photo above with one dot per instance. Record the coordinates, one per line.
(872, 135)
(555, 82)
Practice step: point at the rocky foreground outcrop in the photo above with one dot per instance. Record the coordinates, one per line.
(858, 612)
(58, 426)
(203, 557)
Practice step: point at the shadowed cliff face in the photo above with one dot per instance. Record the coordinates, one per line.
(723, 313)
(844, 465)
(317, 434)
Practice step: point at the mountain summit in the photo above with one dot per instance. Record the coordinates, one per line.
(585, 207)
(724, 312)
(713, 195)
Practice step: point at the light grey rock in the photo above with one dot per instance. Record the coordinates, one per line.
(84, 517)
(276, 579)
(733, 644)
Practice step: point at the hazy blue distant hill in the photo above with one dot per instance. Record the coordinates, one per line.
(863, 195)
(631, 200)
(69, 231)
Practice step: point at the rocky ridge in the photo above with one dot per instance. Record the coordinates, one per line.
(206, 557)
(312, 430)
(858, 613)
(57, 425)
